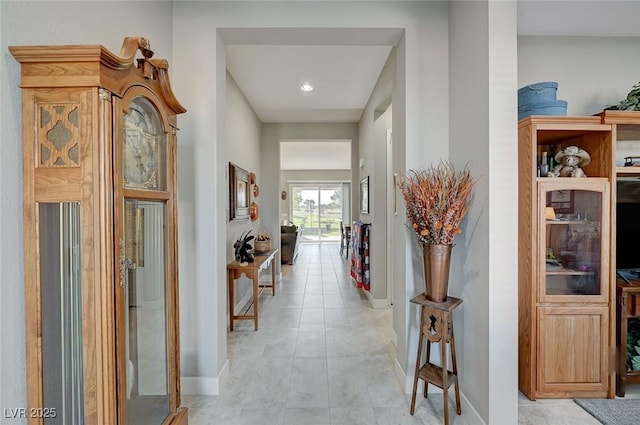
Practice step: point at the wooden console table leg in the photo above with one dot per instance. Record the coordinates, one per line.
(273, 274)
(256, 284)
(230, 278)
(415, 376)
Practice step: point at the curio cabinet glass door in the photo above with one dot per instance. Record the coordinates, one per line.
(575, 218)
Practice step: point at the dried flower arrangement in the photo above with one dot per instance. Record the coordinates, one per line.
(437, 199)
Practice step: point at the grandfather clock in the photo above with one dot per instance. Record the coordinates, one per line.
(101, 278)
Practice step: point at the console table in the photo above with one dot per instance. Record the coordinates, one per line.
(436, 325)
(252, 271)
(627, 306)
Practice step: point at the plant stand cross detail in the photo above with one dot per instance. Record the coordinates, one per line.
(436, 325)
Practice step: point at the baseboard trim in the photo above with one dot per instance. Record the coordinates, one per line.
(204, 386)
(400, 375)
(406, 381)
(376, 303)
(471, 415)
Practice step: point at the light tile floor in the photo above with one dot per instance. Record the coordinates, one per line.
(560, 411)
(323, 356)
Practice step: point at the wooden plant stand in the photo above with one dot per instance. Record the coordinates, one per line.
(436, 325)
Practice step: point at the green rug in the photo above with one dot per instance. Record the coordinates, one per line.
(612, 412)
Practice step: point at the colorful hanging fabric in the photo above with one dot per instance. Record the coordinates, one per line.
(360, 254)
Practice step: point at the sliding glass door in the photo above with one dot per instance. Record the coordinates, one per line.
(317, 210)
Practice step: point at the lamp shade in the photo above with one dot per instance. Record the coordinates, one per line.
(549, 213)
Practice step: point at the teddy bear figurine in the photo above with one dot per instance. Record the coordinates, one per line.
(570, 162)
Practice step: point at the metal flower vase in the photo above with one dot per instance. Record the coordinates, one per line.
(436, 260)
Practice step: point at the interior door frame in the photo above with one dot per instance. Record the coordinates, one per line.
(391, 213)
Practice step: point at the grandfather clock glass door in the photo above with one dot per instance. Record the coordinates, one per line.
(142, 232)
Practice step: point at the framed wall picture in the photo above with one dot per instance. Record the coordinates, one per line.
(561, 201)
(364, 195)
(239, 195)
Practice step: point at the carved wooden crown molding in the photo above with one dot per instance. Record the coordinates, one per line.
(54, 57)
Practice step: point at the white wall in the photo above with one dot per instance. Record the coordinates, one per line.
(374, 123)
(469, 47)
(592, 72)
(43, 23)
(243, 133)
(600, 18)
(503, 223)
(483, 270)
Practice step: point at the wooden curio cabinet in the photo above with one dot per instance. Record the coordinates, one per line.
(566, 308)
(99, 174)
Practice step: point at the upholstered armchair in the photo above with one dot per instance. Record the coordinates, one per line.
(290, 237)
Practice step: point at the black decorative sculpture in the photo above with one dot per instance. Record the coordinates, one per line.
(242, 247)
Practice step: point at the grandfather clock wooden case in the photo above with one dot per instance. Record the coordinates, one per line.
(99, 172)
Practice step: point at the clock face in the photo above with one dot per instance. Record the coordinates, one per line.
(140, 159)
(141, 146)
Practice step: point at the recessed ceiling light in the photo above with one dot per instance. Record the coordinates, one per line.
(306, 87)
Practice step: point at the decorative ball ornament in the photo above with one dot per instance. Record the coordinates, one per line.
(253, 211)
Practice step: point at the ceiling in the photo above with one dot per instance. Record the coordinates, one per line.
(343, 64)
(270, 77)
